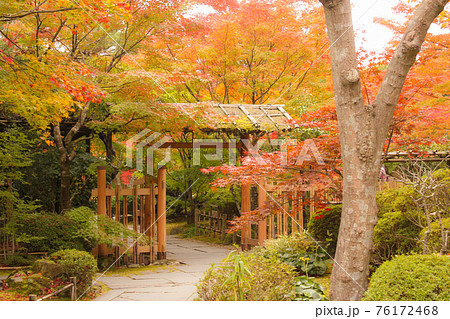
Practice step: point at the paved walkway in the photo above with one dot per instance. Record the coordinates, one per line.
(173, 283)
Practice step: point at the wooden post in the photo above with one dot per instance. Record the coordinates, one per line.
(73, 289)
(101, 202)
(161, 213)
(262, 225)
(117, 196)
(147, 215)
(245, 207)
(301, 208)
(135, 223)
(32, 298)
(223, 226)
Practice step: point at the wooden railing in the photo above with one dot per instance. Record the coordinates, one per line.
(73, 291)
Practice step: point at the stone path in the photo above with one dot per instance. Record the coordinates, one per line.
(173, 283)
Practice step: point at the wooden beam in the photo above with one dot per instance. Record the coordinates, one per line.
(262, 225)
(190, 145)
(101, 202)
(245, 207)
(161, 214)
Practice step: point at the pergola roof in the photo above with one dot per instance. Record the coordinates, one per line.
(252, 117)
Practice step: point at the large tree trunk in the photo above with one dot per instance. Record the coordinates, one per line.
(362, 131)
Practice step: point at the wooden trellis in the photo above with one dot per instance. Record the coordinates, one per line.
(146, 216)
(292, 203)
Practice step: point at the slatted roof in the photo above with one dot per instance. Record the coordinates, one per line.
(252, 117)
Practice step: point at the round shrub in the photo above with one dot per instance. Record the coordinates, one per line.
(398, 199)
(435, 237)
(394, 234)
(259, 279)
(411, 278)
(74, 263)
(324, 227)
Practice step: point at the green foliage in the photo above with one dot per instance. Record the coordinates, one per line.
(25, 282)
(396, 231)
(435, 237)
(297, 251)
(411, 278)
(324, 227)
(398, 199)
(74, 263)
(306, 289)
(101, 229)
(78, 228)
(14, 154)
(240, 275)
(18, 260)
(44, 178)
(44, 232)
(394, 234)
(259, 279)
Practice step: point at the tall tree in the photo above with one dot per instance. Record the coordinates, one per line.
(363, 131)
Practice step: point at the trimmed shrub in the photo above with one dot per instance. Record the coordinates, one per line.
(324, 227)
(297, 251)
(435, 237)
(411, 278)
(395, 233)
(74, 263)
(247, 277)
(399, 199)
(48, 232)
(79, 229)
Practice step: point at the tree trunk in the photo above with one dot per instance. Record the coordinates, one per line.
(362, 132)
(66, 147)
(65, 201)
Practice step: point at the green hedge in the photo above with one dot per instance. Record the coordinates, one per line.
(411, 278)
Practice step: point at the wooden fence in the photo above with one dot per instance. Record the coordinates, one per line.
(292, 206)
(211, 222)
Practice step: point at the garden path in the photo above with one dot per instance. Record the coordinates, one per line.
(171, 283)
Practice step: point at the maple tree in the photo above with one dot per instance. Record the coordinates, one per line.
(363, 130)
(421, 117)
(59, 58)
(249, 51)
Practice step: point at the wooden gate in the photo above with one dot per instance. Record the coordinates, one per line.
(145, 214)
